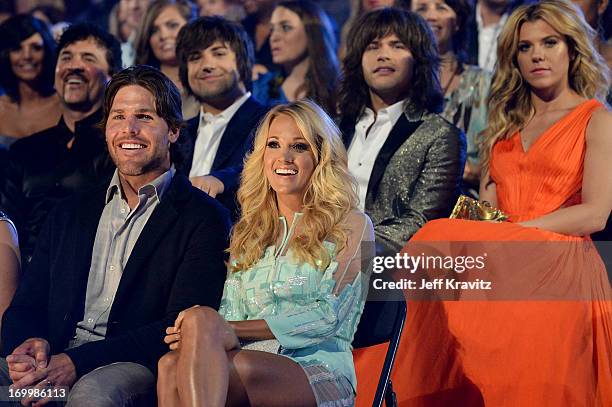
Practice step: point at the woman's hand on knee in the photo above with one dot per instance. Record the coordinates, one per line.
(173, 337)
(179, 319)
(173, 333)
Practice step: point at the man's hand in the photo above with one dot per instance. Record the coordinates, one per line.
(60, 372)
(258, 69)
(31, 355)
(209, 184)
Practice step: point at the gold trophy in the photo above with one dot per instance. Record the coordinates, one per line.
(472, 209)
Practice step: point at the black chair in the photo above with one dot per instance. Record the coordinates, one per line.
(382, 321)
(604, 235)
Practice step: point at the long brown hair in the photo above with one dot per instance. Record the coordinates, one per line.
(322, 76)
(509, 101)
(414, 32)
(144, 53)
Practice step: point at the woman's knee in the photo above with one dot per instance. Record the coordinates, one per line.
(204, 324)
(168, 362)
(200, 318)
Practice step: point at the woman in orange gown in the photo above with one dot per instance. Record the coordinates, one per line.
(546, 340)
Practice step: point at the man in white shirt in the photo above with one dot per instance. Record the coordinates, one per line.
(408, 160)
(216, 58)
(488, 19)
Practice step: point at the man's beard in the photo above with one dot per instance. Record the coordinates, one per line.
(133, 169)
(225, 90)
(83, 107)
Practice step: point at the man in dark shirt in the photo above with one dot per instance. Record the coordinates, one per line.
(52, 164)
(216, 57)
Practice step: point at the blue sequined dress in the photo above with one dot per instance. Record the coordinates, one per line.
(312, 313)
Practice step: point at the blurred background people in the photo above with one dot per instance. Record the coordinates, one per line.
(465, 87)
(594, 12)
(27, 62)
(486, 22)
(303, 45)
(117, 24)
(53, 16)
(232, 10)
(359, 8)
(54, 163)
(257, 26)
(124, 22)
(26, 6)
(338, 11)
(156, 43)
(7, 9)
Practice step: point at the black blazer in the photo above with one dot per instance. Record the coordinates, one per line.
(177, 262)
(236, 142)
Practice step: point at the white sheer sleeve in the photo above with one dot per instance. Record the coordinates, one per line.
(355, 258)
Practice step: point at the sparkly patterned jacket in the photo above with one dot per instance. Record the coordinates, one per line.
(416, 175)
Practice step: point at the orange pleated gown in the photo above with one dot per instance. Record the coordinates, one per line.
(514, 352)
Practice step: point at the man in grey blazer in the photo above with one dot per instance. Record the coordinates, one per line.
(408, 160)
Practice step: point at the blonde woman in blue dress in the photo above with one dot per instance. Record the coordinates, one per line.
(295, 287)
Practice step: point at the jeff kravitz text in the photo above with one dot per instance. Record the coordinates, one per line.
(422, 268)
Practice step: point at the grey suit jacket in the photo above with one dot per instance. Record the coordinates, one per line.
(416, 176)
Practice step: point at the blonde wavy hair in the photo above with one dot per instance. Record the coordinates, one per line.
(329, 198)
(509, 99)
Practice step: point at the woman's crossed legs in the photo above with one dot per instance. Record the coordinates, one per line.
(209, 369)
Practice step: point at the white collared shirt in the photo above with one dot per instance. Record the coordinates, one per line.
(371, 132)
(210, 132)
(487, 40)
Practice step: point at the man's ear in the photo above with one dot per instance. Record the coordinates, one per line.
(173, 134)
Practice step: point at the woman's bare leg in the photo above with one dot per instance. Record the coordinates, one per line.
(213, 371)
(203, 369)
(167, 392)
(265, 379)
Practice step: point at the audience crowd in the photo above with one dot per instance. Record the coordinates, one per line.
(191, 193)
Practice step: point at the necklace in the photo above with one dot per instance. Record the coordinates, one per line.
(450, 81)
